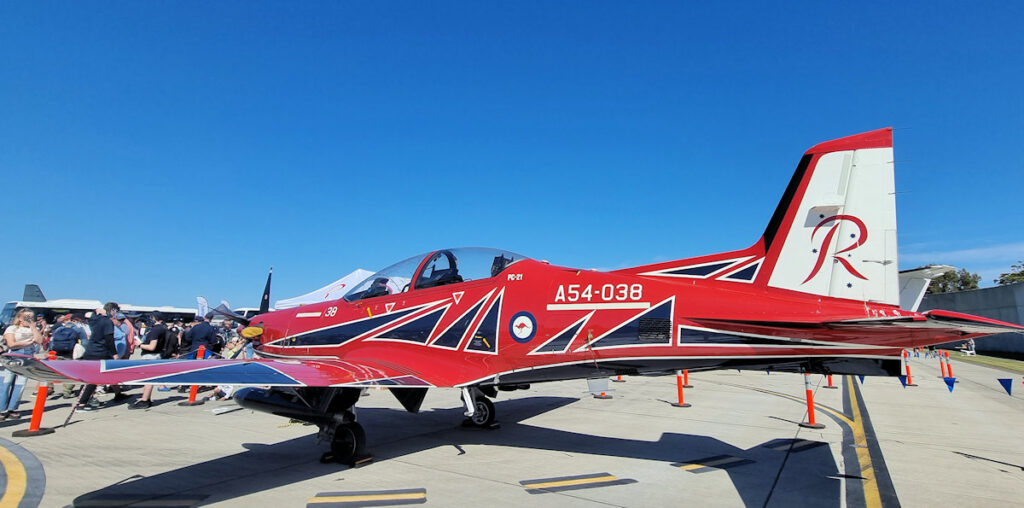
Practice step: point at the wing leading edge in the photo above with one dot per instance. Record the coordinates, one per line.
(264, 372)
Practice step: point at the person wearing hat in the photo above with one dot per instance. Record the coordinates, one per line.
(120, 335)
(152, 347)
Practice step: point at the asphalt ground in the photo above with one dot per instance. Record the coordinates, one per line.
(738, 445)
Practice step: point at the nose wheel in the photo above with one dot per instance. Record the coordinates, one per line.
(484, 414)
(479, 410)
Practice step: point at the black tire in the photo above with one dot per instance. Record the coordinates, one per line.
(349, 442)
(483, 415)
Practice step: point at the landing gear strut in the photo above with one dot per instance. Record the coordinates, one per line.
(348, 441)
(479, 409)
(331, 409)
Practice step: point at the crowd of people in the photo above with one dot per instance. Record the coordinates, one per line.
(108, 334)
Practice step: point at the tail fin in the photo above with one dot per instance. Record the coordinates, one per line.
(834, 231)
(33, 294)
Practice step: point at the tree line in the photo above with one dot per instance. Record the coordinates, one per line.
(962, 280)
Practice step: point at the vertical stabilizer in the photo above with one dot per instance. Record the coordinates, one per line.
(834, 232)
(33, 294)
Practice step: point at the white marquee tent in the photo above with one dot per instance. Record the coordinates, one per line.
(332, 291)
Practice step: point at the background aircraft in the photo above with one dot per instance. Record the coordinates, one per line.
(818, 292)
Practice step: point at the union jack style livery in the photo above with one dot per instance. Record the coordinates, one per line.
(818, 292)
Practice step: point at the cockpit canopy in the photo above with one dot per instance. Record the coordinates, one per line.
(438, 268)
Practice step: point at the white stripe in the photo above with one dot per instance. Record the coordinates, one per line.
(308, 314)
(599, 306)
(652, 357)
(794, 341)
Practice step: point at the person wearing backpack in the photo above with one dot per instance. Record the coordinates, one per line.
(63, 344)
(153, 346)
(65, 337)
(173, 343)
(131, 337)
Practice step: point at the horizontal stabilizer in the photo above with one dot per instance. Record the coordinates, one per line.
(972, 324)
(943, 321)
(914, 283)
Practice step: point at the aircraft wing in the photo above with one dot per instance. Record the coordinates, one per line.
(262, 372)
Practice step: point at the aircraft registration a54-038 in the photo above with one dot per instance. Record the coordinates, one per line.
(817, 293)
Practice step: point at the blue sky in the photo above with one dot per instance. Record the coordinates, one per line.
(155, 151)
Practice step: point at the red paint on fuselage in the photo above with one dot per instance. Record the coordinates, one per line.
(698, 302)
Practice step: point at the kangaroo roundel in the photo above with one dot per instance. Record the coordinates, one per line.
(523, 327)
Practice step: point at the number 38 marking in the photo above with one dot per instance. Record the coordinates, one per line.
(331, 311)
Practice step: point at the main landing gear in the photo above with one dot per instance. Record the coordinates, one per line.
(348, 443)
(330, 409)
(479, 408)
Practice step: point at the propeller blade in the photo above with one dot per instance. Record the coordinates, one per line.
(265, 303)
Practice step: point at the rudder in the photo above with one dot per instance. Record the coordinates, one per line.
(834, 231)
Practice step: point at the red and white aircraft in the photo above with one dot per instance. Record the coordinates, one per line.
(818, 292)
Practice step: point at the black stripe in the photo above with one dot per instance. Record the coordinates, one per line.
(787, 198)
(371, 492)
(886, 490)
(344, 332)
(700, 271)
(561, 342)
(744, 274)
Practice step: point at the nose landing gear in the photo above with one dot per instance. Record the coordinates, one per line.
(479, 409)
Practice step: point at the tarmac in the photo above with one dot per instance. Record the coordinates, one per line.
(738, 445)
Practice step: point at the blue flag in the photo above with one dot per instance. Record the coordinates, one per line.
(1007, 385)
(950, 381)
(861, 379)
(903, 379)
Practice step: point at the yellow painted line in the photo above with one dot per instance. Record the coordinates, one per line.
(566, 483)
(827, 409)
(872, 497)
(17, 480)
(368, 497)
(711, 463)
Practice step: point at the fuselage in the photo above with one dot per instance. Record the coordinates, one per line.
(540, 318)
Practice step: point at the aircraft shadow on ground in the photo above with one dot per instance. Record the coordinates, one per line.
(804, 478)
